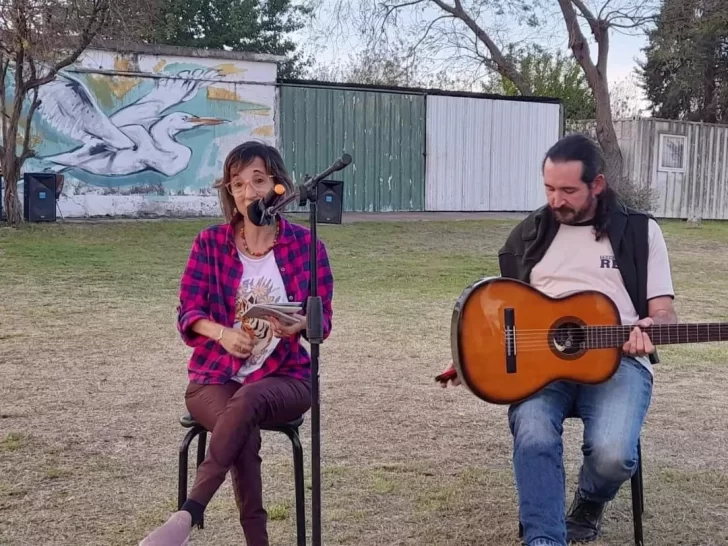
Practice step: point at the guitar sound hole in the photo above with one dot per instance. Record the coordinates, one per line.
(568, 339)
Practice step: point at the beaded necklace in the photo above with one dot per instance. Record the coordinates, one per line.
(267, 250)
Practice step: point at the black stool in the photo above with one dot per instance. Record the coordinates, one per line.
(638, 500)
(289, 429)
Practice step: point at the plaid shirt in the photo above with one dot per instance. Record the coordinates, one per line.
(208, 288)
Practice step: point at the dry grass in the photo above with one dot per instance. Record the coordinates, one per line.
(93, 375)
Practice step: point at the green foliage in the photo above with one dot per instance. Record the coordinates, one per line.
(685, 74)
(259, 26)
(550, 75)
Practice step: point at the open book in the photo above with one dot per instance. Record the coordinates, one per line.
(282, 311)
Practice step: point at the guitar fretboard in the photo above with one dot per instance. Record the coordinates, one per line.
(603, 337)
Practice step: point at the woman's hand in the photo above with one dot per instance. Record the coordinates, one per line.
(280, 330)
(455, 380)
(238, 343)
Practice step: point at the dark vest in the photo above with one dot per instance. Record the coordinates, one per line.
(628, 233)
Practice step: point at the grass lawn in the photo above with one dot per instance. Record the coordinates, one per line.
(94, 374)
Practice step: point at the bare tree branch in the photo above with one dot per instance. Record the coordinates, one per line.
(604, 7)
(588, 15)
(428, 29)
(578, 42)
(505, 67)
(96, 20)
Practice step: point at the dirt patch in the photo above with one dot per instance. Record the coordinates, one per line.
(94, 375)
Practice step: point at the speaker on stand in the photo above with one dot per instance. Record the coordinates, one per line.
(330, 202)
(39, 197)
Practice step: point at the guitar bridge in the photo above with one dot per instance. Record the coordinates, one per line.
(510, 323)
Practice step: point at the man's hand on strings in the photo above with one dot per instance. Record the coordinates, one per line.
(639, 343)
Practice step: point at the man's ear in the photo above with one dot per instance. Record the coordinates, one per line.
(599, 184)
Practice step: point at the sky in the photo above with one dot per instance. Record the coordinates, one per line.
(624, 49)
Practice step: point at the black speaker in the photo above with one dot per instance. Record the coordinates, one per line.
(39, 197)
(330, 201)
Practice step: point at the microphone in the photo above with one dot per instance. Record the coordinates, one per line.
(337, 165)
(304, 191)
(258, 212)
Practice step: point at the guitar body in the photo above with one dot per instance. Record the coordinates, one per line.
(510, 340)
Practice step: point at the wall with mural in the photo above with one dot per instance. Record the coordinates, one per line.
(147, 134)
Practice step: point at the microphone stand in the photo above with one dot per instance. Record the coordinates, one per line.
(308, 192)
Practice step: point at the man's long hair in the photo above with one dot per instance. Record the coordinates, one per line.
(579, 147)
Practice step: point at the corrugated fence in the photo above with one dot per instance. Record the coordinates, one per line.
(685, 163)
(383, 132)
(413, 150)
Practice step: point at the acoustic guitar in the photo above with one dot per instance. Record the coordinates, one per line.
(510, 340)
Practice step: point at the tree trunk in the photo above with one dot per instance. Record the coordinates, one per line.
(607, 137)
(13, 208)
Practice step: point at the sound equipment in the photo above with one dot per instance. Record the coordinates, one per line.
(39, 197)
(510, 340)
(330, 201)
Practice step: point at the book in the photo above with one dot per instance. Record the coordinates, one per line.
(282, 311)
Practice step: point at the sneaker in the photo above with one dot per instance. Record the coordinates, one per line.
(584, 520)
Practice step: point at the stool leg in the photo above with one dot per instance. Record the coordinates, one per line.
(642, 486)
(637, 500)
(183, 465)
(300, 487)
(201, 451)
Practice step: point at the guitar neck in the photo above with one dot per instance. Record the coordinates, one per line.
(604, 337)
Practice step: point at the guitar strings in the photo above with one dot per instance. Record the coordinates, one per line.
(597, 331)
(608, 329)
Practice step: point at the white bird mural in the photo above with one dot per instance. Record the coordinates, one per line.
(134, 139)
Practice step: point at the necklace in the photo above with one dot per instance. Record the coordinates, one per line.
(267, 250)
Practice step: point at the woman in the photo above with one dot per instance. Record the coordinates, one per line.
(244, 372)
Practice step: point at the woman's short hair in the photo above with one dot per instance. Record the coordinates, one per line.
(240, 157)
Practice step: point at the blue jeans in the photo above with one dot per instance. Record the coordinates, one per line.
(613, 413)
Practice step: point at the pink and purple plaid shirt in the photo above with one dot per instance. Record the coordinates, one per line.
(208, 288)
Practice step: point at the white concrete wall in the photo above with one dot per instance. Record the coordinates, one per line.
(83, 126)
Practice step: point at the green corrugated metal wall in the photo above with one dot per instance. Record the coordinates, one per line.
(383, 132)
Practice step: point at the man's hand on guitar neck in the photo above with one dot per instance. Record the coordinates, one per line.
(661, 311)
(639, 343)
(449, 371)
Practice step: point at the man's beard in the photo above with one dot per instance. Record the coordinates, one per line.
(569, 216)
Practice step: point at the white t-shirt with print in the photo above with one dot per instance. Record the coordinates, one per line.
(576, 261)
(261, 283)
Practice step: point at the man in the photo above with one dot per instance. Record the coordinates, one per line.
(585, 238)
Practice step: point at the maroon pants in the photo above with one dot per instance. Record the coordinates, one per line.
(234, 414)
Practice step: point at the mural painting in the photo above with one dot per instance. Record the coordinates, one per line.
(150, 129)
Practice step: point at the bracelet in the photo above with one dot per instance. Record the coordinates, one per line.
(222, 331)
